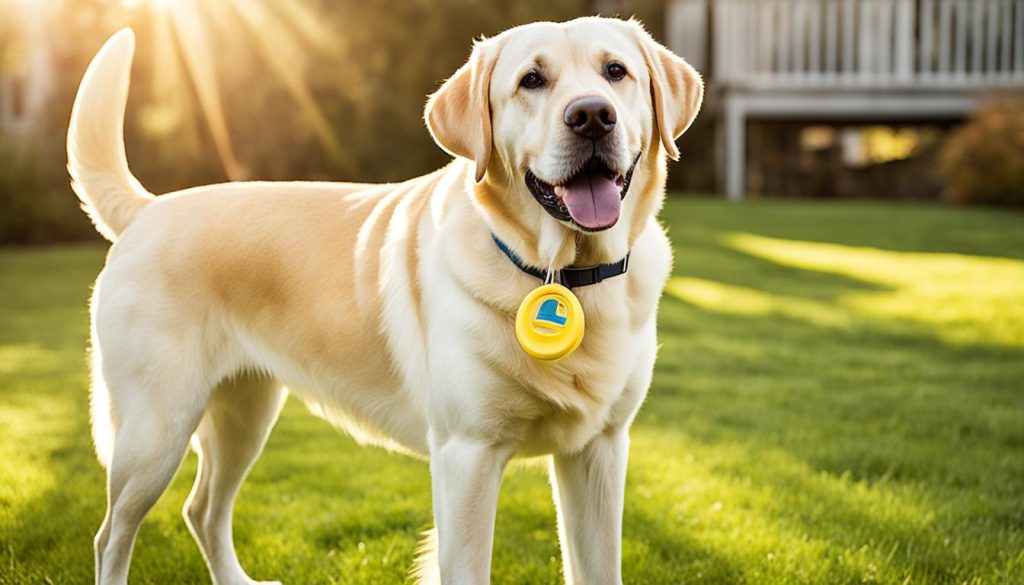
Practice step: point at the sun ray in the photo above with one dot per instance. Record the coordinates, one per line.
(281, 54)
(285, 34)
(308, 26)
(192, 41)
(171, 103)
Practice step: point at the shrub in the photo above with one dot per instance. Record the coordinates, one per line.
(36, 203)
(983, 160)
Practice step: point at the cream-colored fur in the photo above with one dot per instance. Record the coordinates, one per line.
(386, 308)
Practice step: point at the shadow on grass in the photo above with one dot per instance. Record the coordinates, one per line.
(871, 447)
(725, 264)
(877, 443)
(895, 226)
(656, 553)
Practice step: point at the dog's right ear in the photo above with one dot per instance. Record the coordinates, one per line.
(459, 113)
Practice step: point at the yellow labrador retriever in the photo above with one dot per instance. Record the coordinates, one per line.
(389, 308)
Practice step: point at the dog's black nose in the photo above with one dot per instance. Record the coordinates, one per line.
(591, 116)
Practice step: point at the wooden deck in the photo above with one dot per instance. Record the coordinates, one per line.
(841, 60)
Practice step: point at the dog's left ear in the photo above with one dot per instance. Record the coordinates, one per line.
(459, 113)
(677, 90)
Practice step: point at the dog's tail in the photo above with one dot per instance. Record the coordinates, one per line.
(110, 194)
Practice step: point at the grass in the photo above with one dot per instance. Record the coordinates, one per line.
(839, 399)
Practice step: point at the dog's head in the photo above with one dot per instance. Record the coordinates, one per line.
(568, 125)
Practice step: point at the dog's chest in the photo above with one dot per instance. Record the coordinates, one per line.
(558, 407)
(584, 410)
(483, 383)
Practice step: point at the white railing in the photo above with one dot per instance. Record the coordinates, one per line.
(887, 44)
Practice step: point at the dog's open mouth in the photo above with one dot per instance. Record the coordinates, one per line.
(591, 198)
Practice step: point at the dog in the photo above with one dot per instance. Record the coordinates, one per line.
(390, 309)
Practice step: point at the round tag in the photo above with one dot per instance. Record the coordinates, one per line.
(549, 324)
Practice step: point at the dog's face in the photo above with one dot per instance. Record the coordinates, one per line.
(560, 114)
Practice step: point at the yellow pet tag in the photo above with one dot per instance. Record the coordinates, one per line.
(549, 324)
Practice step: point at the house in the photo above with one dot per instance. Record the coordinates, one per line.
(28, 84)
(843, 61)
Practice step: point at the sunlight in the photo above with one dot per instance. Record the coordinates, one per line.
(18, 357)
(187, 22)
(972, 299)
(154, 3)
(186, 31)
(738, 300)
(729, 495)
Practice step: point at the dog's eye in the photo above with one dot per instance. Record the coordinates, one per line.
(532, 80)
(615, 71)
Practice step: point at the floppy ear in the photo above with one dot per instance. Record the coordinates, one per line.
(459, 114)
(676, 91)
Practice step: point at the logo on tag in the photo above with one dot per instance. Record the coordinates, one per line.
(549, 324)
(551, 311)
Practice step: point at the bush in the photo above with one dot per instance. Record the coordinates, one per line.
(36, 202)
(983, 160)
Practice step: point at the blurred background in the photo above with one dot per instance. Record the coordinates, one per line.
(807, 98)
(237, 89)
(838, 396)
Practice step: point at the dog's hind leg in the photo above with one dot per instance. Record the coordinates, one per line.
(150, 439)
(229, 439)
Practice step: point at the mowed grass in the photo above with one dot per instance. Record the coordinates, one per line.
(839, 399)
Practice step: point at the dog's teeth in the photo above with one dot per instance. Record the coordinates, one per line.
(560, 191)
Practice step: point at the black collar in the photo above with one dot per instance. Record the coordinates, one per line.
(569, 277)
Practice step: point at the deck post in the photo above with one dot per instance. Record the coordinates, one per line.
(687, 30)
(735, 149)
(903, 42)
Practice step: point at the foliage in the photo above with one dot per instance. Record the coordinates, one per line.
(837, 400)
(983, 160)
(36, 206)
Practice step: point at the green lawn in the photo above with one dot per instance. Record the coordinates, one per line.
(839, 399)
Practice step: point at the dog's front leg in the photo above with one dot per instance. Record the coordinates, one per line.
(465, 478)
(589, 490)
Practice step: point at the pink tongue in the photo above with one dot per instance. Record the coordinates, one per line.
(593, 200)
